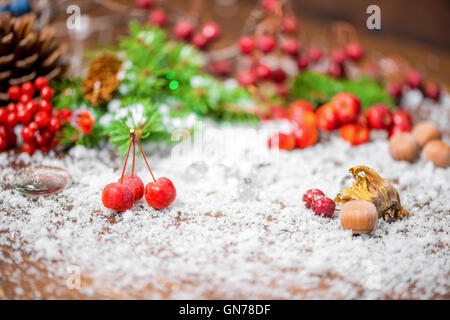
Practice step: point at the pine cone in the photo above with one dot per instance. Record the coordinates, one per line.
(102, 81)
(26, 53)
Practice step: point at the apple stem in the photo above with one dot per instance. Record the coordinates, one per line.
(145, 159)
(126, 159)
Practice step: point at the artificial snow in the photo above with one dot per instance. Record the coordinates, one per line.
(238, 228)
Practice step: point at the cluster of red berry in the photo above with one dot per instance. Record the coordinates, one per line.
(343, 112)
(322, 206)
(40, 121)
(120, 196)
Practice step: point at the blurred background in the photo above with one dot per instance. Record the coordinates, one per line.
(415, 30)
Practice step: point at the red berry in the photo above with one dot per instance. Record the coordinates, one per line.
(135, 184)
(43, 137)
(290, 46)
(40, 83)
(336, 70)
(47, 93)
(338, 56)
(401, 118)
(32, 107)
(278, 112)
(183, 30)
(270, 5)
(27, 88)
(347, 107)
(397, 129)
(305, 136)
(42, 119)
(395, 90)
(221, 67)
(24, 116)
(311, 195)
(55, 125)
(263, 71)
(289, 25)
(278, 75)
(33, 125)
(266, 43)
(3, 131)
(118, 197)
(11, 137)
(3, 115)
(3, 143)
(302, 62)
(414, 79)
(302, 113)
(29, 148)
(145, 4)
(323, 207)
(354, 51)
(27, 134)
(45, 105)
(246, 44)
(24, 98)
(11, 107)
(65, 115)
(355, 133)
(327, 118)
(281, 141)
(160, 194)
(157, 17)
(14, 93)
(211, 31)
(12, 120)
(433, 91)
(314, 53)
(247, 78)
(379, 117)
(200, 41)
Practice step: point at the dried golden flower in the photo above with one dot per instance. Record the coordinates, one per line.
(371, 187)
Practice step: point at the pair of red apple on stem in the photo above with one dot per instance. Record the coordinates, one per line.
(120, 196)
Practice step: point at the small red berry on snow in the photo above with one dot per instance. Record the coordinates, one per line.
(323, 207)
(355, 133)
(347, 107)
(327, 118)
(135, 184)
(311, 195)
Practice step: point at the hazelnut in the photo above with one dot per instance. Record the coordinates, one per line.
(359, 215)
(437, 152)
(426, 131)
(404, 147)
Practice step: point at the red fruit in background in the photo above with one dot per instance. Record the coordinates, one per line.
(11, 137)
(247, 78)
(3, 115)
(3, 143)
(24, 98)
(278, 75)
(263, 71)
(327, 118)
(11, 107)
(40, 82)
(24, 116)
(379, 117)
(355, 133)
(302, 62)
(305, 136)
(289, 25)
(266, 43)
(414, 79)
(29, 148)
(311, 195)
(314, 54)
(27, 88)
(270, 5)
(14, 93)
(55, 125)
(278, 112)
(27, 134)
(145, 4)
(347, 107)
(47, 93)
(135, 184)
(297, 108)
(304, 118)
(338, 56)
(33, 107)
(323, 207)
(354, 51)
(281, 141)
(221, 67)
(45, 106)
(200, 41)
(336, 70)
(183, 30)
(118, 197)
(65, 115)
(42, 119)
(157, 17)
(433, 91)
(211, 31)
(12, 120)
(160, 194)
(397, 129)
(246, 44)
(395, 90)
(401, 118)
(290, 46)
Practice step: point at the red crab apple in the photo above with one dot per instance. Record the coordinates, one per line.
(157, 17)
(183, 30)
(297, 110)
(354, 51)
(160, 194)
(314, 53)
(311, 195)
(266, 43)
(263, 71)
(289, 25)
(135, 184)
(117, 196)
(290, 46)
(305, 136)
(246, 44)
(327, 118)
(302, 62)
(281, 141)
(211, 31)
(379, 117)
(414, 79)
(433, 91)
(347, 107)
(355, 133)
(247, 78)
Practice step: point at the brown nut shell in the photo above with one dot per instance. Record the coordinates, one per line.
(404, 147)
(426, 131)
(359, 215)
(437, 152)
